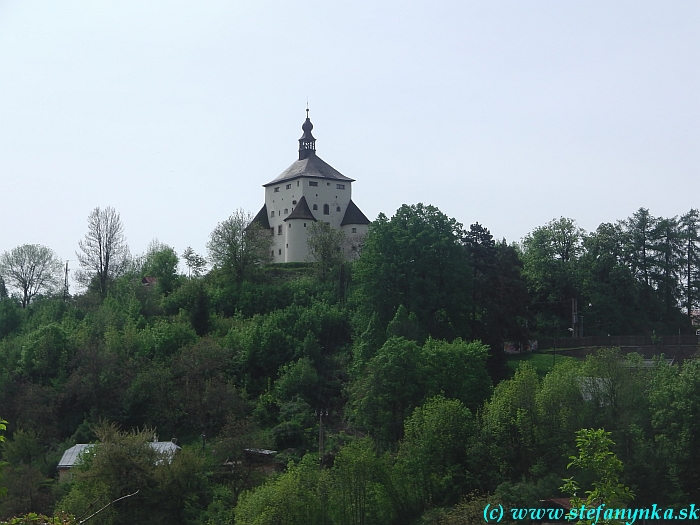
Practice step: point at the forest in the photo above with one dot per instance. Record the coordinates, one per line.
(380, 382)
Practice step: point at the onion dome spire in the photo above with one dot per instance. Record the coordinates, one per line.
(307, 142)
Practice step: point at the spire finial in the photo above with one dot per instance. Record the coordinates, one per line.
(307, 142)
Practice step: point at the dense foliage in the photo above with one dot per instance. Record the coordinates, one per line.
(378, 381)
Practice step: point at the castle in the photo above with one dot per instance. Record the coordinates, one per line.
(309, 190)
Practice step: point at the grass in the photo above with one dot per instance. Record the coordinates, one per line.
(542, 362)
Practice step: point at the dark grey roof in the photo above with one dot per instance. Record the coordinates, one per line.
(261, 218)
(312, 166)
(301, 211)
(353, 215)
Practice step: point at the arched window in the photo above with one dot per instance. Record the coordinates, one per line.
(326, 209)
(337, 208)
(315, 206)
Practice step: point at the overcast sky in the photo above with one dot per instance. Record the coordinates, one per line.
(509, 113)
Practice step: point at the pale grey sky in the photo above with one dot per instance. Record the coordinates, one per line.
(509, 113)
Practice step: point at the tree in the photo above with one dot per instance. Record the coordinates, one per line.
(326, 246)
(638, 230)
(161, 262)
(3, 427)
(391, 386)
(499, 289)
(237, 245)
(416, 259)
(105, 254)
(297, 497)
(595, 455)
(30, 269)
(196, 264)
(690, 235)
(433, 452)
(550, 256)
(666, 275)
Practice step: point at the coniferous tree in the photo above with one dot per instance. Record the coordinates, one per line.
(690, 259)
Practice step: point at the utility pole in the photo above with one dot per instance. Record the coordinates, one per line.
(65, 283)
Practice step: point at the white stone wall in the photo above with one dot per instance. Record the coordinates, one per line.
(290, 246)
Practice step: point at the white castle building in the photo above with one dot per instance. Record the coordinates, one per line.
(309, 190)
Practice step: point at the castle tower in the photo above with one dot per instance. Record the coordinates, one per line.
(309, 190)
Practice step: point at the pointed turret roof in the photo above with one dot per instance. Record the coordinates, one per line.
(301, 211)
(261, 218)
(353, 215)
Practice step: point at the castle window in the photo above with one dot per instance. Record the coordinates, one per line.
(354, 230)
(272, 253)
(328, 183)
(286, 211)
(277, 189)
(294, 203)
(297, 183)
(279, 230)
(272, 213)
(340, 186)
(304, 225)
(313, 183)
(289, 186)
(326, 209)
(337, 208)
(315, 206)
(290, 225)
(280, 251)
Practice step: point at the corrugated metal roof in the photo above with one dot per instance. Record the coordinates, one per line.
(71, 456)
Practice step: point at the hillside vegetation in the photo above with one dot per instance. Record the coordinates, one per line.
(380, 382)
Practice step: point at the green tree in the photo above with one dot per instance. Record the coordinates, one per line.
(297, 497)
(666, 275)
(326, 247)
(357, 496)
(161, 262)
(237, 245)
(609, 285)
(159, 485)
(433, 452)
(690, 259)
(415, 259)
(639, 239)
(457, 370)
(196, 264)
(675, 399)
(393, 383)
(30, 269)
(550, 257)
(509, 446)
(595, 455)
(3, 427)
